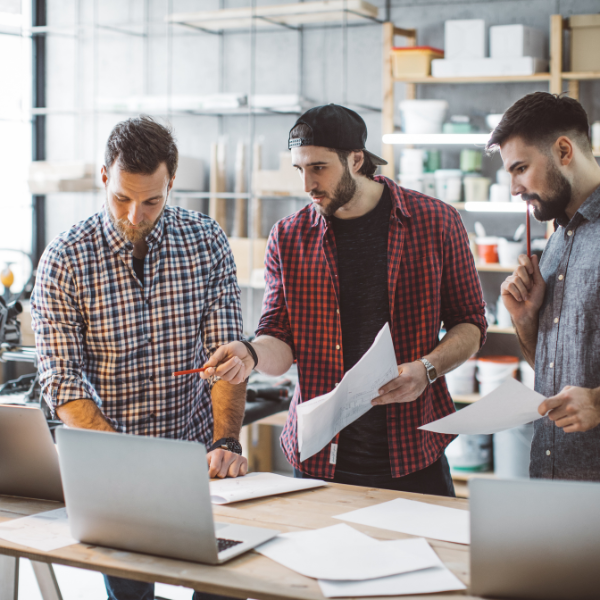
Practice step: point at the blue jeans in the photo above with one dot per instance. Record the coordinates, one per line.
(127, 589)
(434, 479)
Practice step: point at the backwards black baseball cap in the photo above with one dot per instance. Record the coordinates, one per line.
(334, 126)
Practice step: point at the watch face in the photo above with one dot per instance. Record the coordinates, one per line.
(432, 373)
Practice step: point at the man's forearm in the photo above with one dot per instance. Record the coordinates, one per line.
(274, 356)
(458, 345)
(83, 414)
(228, 404)
(527, 333)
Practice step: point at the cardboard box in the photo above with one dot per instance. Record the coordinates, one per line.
(515, 41)
(414, 60)
(464, 39)
(488, 67)
(249, 255)
(49, 177)
(585, 42)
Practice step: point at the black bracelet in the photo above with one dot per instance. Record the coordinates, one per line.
(252, 352)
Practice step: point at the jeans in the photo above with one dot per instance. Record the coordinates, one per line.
(434, 479)
(127, 589)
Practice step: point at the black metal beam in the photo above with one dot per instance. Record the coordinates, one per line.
(39, 124)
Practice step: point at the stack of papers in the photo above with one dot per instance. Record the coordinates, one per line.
(415, 518)
(257, 485)
(509, 405)
(45, 531)
(323, 417)
(349, 563)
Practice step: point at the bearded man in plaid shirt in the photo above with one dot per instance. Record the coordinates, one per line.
(130, 295)
(365, 252)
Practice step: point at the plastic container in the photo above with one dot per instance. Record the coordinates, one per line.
(470, 160)
(487, 249)
(492, 371)
(461, 381)
(423, 116)
(410, 182)
(448, 184)
(412, 161)
(502, 315)
(527, 374)
(508, 252)
(511, 452)
(476, 188)
(414, 60)
(471, 453)
(499, 193)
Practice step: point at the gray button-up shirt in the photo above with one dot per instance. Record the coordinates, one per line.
(568, 346)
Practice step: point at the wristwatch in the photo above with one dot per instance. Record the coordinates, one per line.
(230, 444)
(430, 370)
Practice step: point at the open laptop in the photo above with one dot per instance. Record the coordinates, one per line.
(535, 539)
(147, 495)
(28, 458)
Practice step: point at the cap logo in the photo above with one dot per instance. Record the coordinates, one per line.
(303, 141)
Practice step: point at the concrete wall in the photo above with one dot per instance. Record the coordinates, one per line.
(100, 63)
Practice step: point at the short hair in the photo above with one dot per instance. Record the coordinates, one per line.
(140, 144)
(368, 167)
(540, 119)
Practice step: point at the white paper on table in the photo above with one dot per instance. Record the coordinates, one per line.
(509, 405)
(340, 552)
(425, 581)
(257, 485)
(323, 417)
(416, 518)
(45, 531)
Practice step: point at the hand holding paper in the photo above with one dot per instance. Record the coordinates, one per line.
(509, 405)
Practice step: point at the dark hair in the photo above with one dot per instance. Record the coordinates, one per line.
(140, 144)
(368, 167)
(540, 119)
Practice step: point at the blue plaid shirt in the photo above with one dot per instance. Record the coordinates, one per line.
(101, 334)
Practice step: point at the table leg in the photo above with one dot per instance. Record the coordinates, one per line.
(44, 573)
(9, 578)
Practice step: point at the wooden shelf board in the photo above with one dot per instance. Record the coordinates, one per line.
(495, 268)
(497, 329)
(466, 398)
(581, 76)
(467, 475)
(278, 419)
(537, 77)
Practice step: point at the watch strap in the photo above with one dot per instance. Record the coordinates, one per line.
(428, 368)
(251, 351)
(229, 444)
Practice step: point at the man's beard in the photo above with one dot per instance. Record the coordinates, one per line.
(344, 192)
(127, 232)
(554, 206)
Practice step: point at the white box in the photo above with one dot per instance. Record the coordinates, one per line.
(514, 41)
(190, 175)
(464, 39)
(488, 67)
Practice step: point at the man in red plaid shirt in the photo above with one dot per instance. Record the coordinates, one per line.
(365, 252)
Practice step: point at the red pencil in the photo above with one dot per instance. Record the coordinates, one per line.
(528, 233)
(190, 371)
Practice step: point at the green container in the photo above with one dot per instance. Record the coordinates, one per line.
(434, 161)
(470, 161)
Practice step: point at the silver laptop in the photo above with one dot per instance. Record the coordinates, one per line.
(147, 495)
(535, 539)
(28, 458)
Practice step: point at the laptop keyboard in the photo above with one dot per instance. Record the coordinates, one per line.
(225, 544)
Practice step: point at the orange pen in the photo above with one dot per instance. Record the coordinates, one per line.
(177, 373)
(528, 232)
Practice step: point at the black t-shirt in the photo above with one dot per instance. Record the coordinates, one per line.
(138, 267)
(364, 309)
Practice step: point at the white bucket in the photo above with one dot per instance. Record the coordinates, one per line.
(511, 452)
(508, 252)
(412, 162)
(448, 183)
(470, 453)
(412, 183)
(462, 380)
(423, 116)
(491, 374)
(527, 374)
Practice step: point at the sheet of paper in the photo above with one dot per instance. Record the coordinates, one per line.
(341, 553)
(509, 405)
(320, 419)
(45, 531)
(416, 518)
(425, 581)
(257, 485)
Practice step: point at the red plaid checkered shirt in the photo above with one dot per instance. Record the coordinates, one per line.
(431, 279)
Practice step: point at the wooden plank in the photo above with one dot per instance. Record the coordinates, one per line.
(387, 111)
(581, 76)
(256, 203)
(537, 77)
(250, 575)
(556, 50)
(498, 329)
(574, 89)
(217, 208)
(278, 419)
(494, 268)
(466, 398)
(305, 13)
(240, 221)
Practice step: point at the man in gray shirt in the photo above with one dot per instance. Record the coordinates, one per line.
(545, 145)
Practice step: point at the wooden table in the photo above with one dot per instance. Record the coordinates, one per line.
(250, 575)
